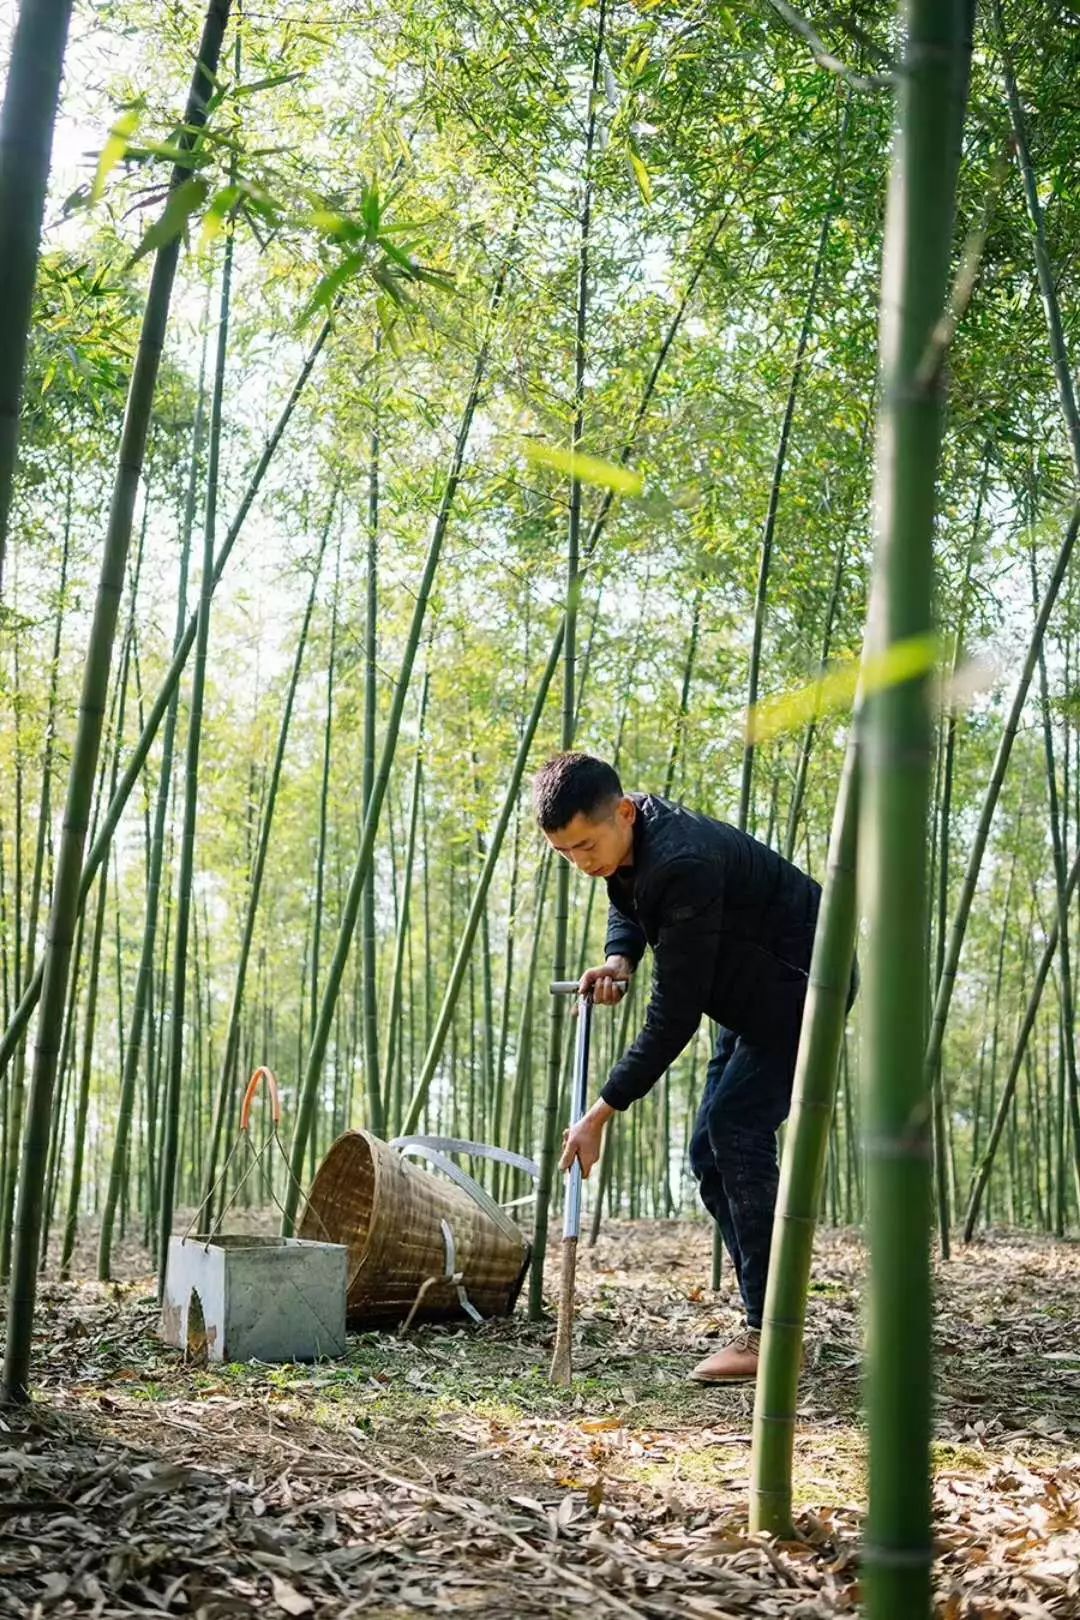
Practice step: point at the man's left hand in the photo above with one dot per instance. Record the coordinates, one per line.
(584, 1140)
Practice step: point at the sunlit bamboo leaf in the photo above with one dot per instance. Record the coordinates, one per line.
(330, 284)
(114, 149)
(220, 207)
(587, 469)
(271, 82)
(834, 691)
(181, 204)
(641, 175)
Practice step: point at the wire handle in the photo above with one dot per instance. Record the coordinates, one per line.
(244, 1135)
(261, 1073)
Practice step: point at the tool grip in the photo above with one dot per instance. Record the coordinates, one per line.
(569, 987)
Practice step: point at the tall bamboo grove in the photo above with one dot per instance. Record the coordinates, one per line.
(57, 955)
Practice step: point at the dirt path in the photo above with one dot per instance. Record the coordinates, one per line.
(443, 1472)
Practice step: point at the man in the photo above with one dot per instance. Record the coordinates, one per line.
(731, 925)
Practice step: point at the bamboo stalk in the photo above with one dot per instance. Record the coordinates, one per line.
(802, 1169)
(186, 875)
(768, 534)
(101, 843)
(931, 97)
(393, 1053)
(27, 121)
(142, 1010)
(321, 1033)
(225, 1096)
(549, 1138)
(367, 903)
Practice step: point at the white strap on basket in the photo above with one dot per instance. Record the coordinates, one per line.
(451, 1275)
(454, 1275)
(435, 1148)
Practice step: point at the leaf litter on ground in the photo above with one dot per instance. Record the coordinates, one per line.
(440, 1471)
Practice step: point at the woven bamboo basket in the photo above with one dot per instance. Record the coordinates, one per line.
(388, 1213)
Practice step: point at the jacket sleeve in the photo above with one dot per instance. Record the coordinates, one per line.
(624, 936)
(690, 901)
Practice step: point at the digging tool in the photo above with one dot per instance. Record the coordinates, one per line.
(560, 1361)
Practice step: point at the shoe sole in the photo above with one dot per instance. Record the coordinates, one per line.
(736, 1378)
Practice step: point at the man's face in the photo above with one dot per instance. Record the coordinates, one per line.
(598, 846)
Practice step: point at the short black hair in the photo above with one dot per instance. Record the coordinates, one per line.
(571, 784)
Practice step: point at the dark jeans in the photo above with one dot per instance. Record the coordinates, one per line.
(733, 1150)
(733, 1153)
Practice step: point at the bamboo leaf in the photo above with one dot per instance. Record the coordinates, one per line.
(835, 690)
(221, 206)
(434, 278)
(330, 284)
(398, 255)
(183, 157)
(114, 149)
(587, 469)
(371, 210)
(331, 223)
(271, 82)
(181, 204)
(391, 285)
(641, 174)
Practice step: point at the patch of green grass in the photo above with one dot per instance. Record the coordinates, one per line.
(150, 1391)
(951, 1455)
(722, 1467)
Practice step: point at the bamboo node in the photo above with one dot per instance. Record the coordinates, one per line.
(897, 1557)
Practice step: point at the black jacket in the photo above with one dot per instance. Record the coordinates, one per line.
(732, 927)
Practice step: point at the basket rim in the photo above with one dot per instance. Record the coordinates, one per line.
(370, 1248)
(368, 1257)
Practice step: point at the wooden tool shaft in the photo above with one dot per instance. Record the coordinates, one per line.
(561, 1363)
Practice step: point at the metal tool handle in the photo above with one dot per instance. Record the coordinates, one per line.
(578, 1102)
(568, 987)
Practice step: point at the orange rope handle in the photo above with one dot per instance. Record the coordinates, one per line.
(261, 1073)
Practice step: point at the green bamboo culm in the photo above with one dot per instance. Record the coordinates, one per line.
(394, 1040)
(57, 953)
(226, 1088)
(895, 790)
(320, 1035)
(142, 1009)
(1059, 359)
(479, 899)
(170, 1138)
(26, 136)
(102, 840)
(805, 1146)
(369, 938)
(71, 1223)
(550, 1129)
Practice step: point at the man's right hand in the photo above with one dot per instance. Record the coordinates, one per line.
(608, 983)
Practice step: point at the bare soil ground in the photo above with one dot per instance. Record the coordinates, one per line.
(441, 1470)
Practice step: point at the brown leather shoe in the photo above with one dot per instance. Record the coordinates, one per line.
(736, 1363)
